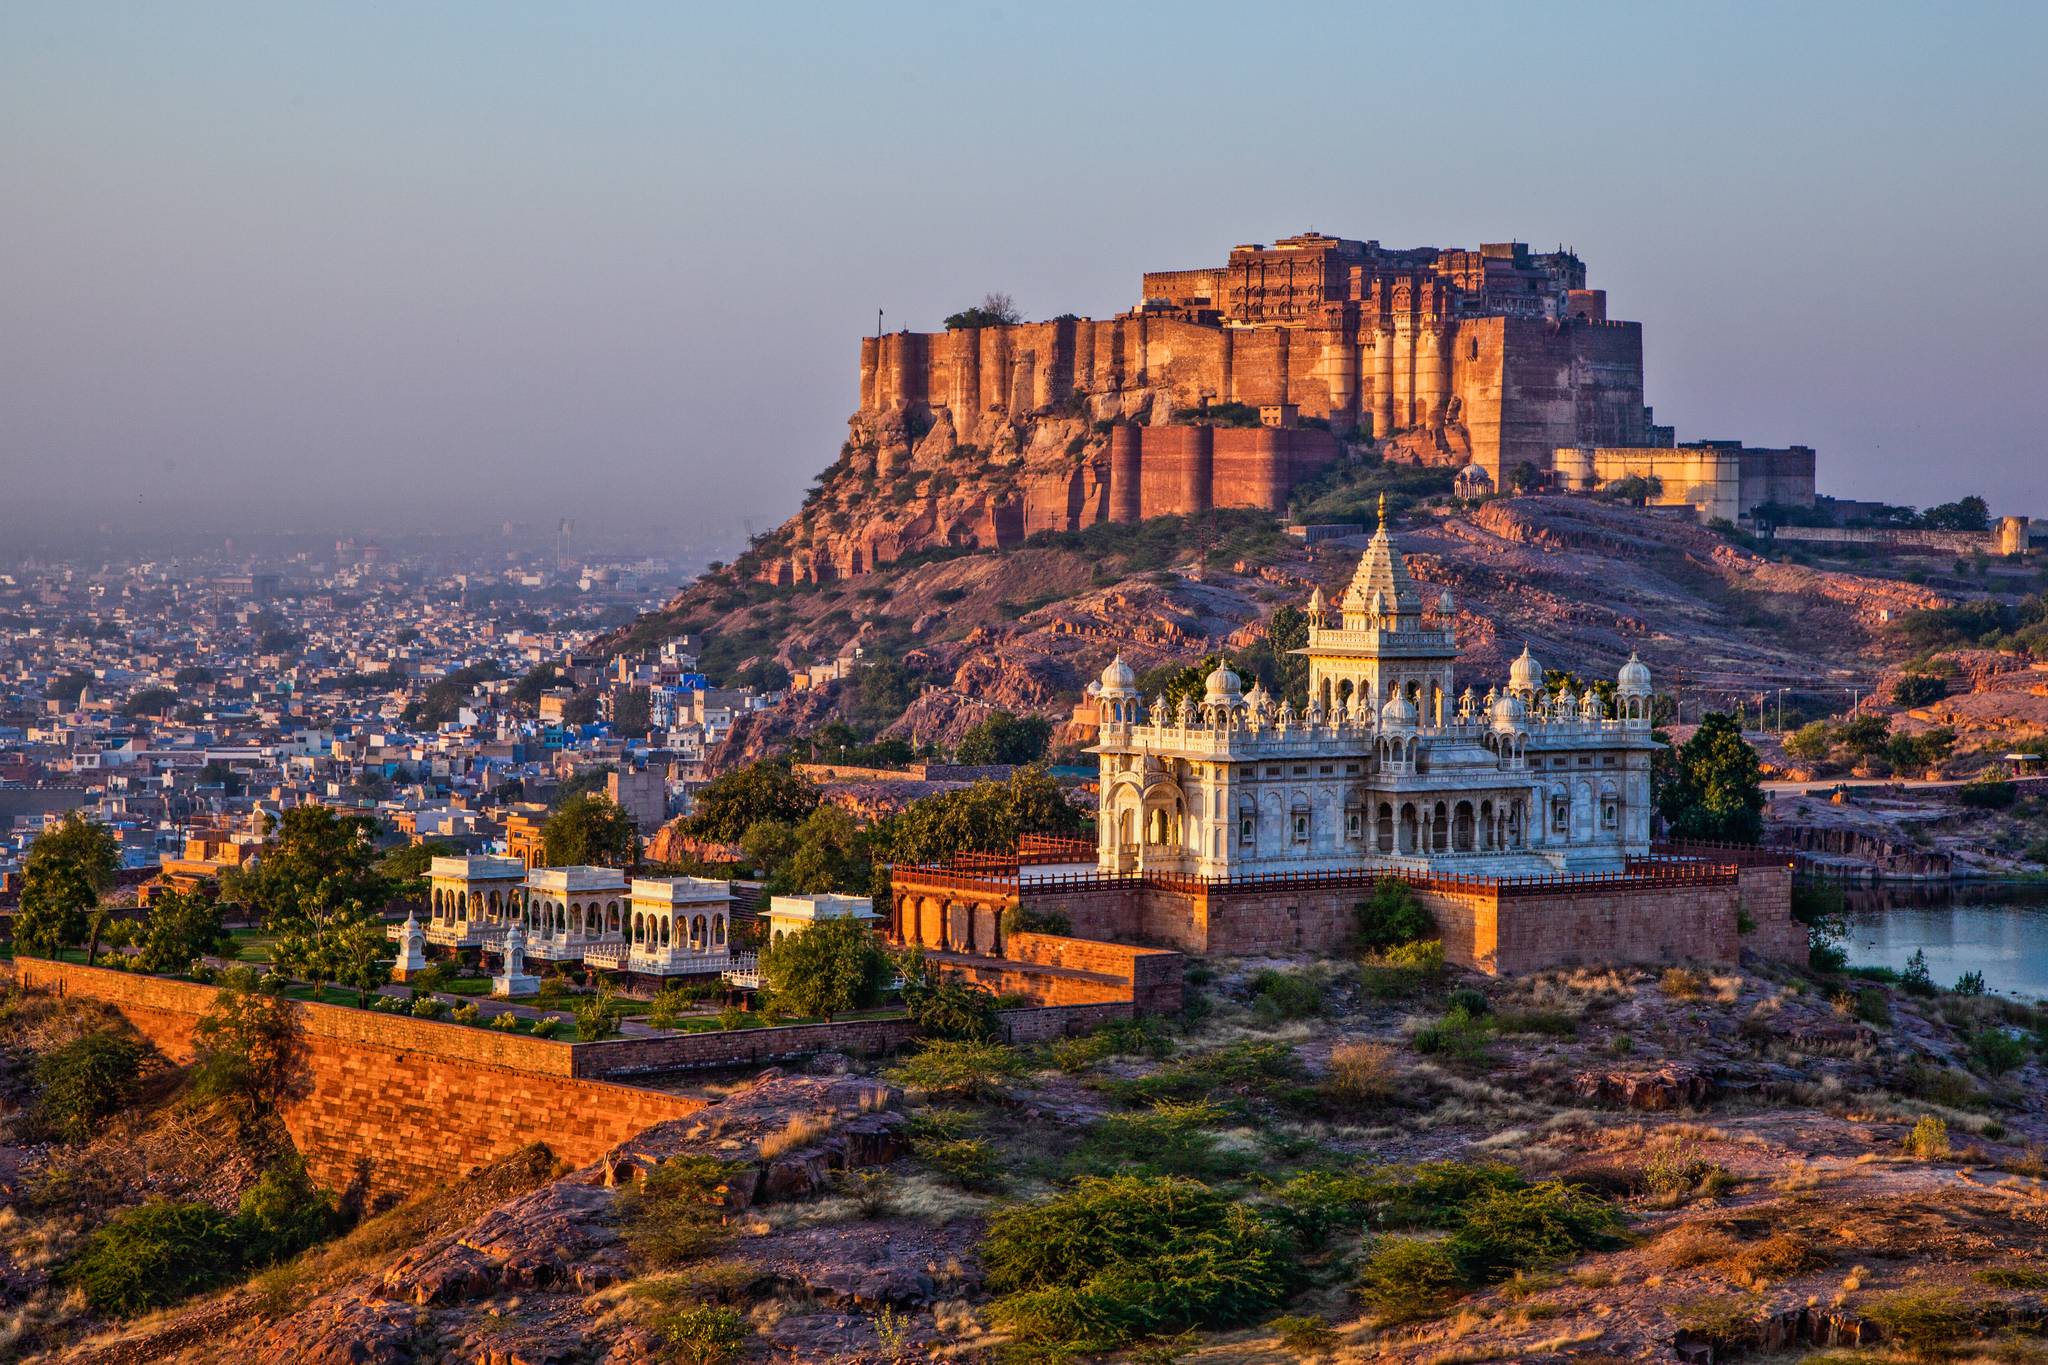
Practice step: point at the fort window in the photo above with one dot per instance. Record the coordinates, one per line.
(1560, 815)
(1300, 826)
(1610, 814)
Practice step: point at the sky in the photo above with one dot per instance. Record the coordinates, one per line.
(360, 265)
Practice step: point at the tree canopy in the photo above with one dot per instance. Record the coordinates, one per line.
(734, 802)
(181, 927)
(831, 967)
(590, 830)
(1714, 785)
(985, 818)
(315, 862)
(994, 310)
(68, 867)
(1001, 737)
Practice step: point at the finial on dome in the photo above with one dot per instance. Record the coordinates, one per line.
(1383, 511)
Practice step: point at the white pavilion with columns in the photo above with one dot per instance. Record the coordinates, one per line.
(1386, 766)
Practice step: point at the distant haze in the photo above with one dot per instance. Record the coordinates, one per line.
(329, 265)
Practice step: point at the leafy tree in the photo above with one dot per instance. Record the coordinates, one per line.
(945, 1007)
(1172, 683)
(182, 926)
(1918, 689)
(831, 967)
(1716, 787)
(1633, 488)
(405, 869)
(219, 774)
(445, 696)
(1525, 477)
(68, 867)
(1273, 662)
(876, 694)
(1811, 742)
(1964, 514)
(85, 1082)
(150, 701)
(536, 680)
(994, 310)
(632, 712)
(246, 1045)
(1004, 738)
(315, 861)
(832, 853)
(282, 1214)
(359, 954)
(69, 687)
(734, 802)
(590, 830)
(192, 675)
(986, 817)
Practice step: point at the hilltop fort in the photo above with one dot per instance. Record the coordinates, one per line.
(1230, 386)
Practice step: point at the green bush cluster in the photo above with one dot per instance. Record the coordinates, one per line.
(1239, 1071)
(1171, 1138)
(1279, 995)
(162, 1251)
(1459, 1036)
(1119, 1258)
(1393, 916)
(1500, 1227)
(84, 1082)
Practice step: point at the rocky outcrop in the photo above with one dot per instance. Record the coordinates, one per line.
(1674, 1085)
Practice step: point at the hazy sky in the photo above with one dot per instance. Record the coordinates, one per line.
(329, 264)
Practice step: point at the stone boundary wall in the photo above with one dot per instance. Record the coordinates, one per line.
(1152, 976)
(737, 1047)
(392, 1103)
(2010, 536)
(1060, 1021)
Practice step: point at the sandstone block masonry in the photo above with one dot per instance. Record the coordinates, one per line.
(1502, 348)
(392, 1104)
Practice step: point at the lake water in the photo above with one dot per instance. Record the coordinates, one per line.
(2001, 931)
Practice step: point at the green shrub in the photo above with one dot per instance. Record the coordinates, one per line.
(427, 1007)
(1468, 999)
(1171, 1139)
(1393, 916)
(468, 1013)
(1987, 792)
(702, 1333)
(1304, 1335)
(970, 1069)
(1115, 1259)
(1928, 1140)
(152, 1256)
(968, 1162)
(546, 1026)
(1970, 983)
(84, 1082)
(1919, 1317)
(1456, 1037)
(950, 1009)
(282, 1214)
(1997, 1051)
(1405, 1279)
(1241, 1069)
(1278, 995)
(1505, 1230)
(505, 1022)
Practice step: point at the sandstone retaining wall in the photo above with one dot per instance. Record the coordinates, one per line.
(392, 1102)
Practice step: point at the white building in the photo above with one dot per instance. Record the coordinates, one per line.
(675, 926)
(1388, 765)
(794, 914)
(569, 909)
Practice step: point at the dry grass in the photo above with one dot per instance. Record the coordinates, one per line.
(1364, 1071)
(1693, 1244)
(802, 1130)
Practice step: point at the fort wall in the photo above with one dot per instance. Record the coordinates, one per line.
(1520, 386)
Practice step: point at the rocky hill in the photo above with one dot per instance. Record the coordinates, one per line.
(1582, 582)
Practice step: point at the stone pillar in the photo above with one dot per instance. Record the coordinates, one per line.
(1198, 470)
(1382, 381)
(1429, 390)
(1125, 486)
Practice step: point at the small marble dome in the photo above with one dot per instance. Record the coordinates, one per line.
(1634, 676)
(1473, 481)
(1525, 674)
(1317, 604)
(1444, 605)
(1224, 688)
(1118, 677)
(1507, 711)
(1398, 713)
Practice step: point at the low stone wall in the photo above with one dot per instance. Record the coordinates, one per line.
(395, 1103)
(738, 1047)
(1152, 977)
(1060, 1021)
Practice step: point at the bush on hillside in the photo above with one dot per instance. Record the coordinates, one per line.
(1393, 916)
(1123, 1257)
(84, 1082)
